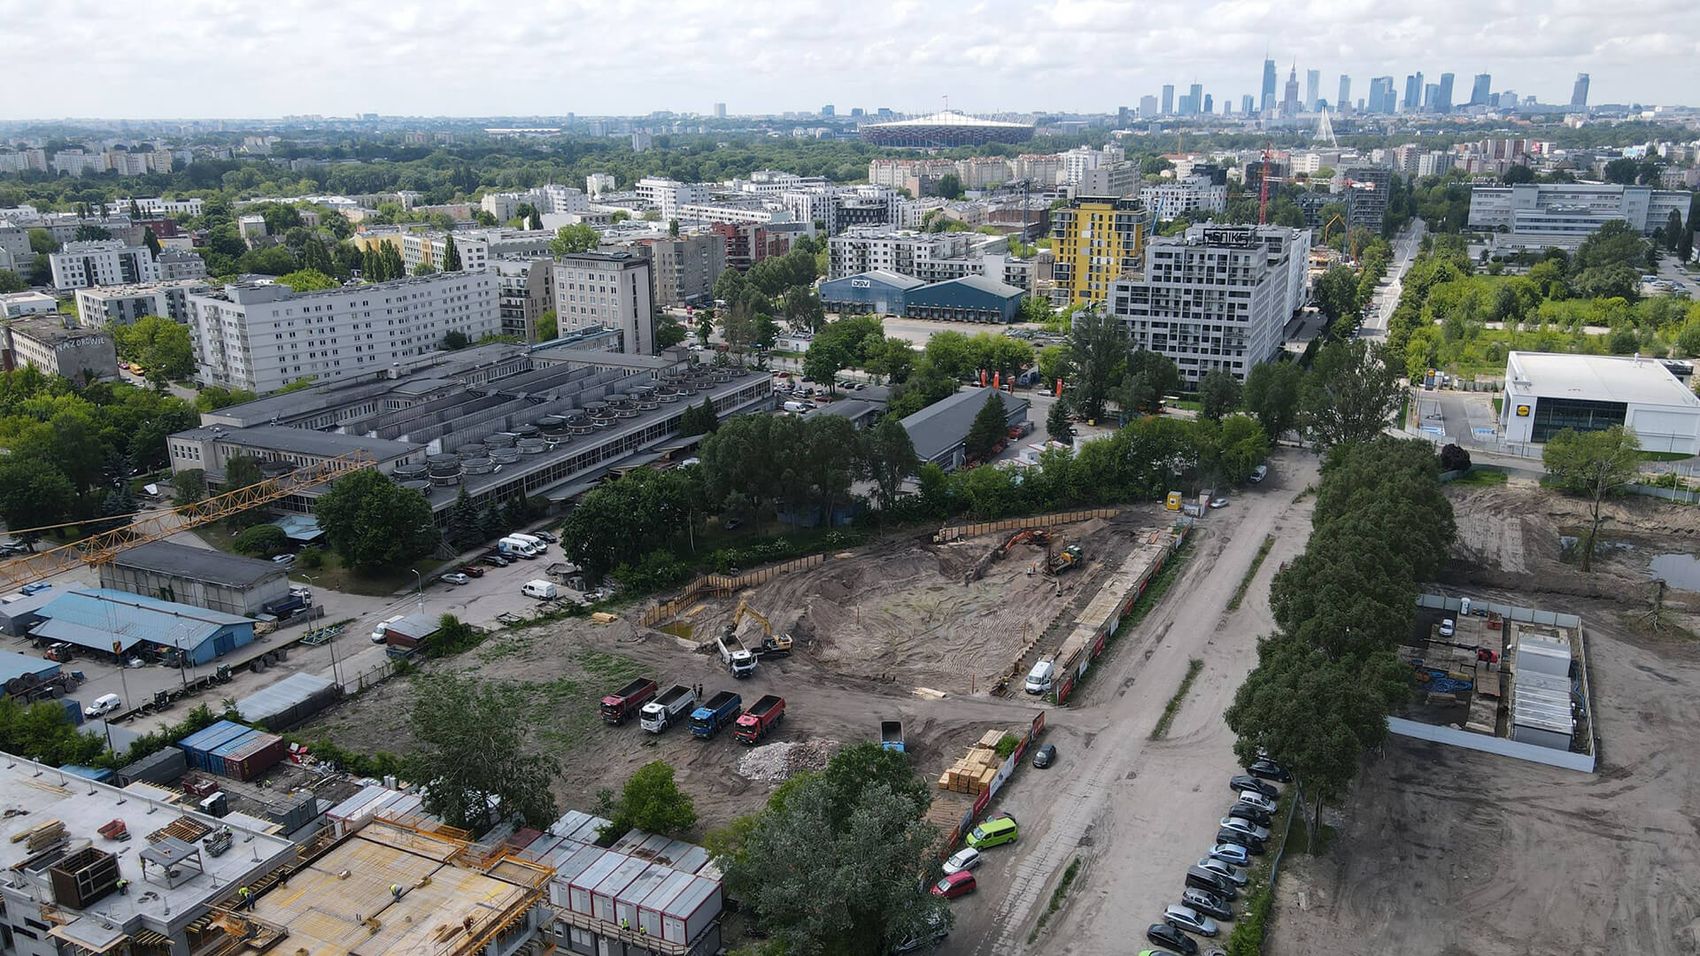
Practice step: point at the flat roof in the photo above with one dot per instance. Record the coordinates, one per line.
(200, 564)
(893, 279)
(1602, 378)
(301, 441)
(561, 355)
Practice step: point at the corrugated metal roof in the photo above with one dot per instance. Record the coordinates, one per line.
(291, 691)
(200, 564)
(13, 664)
(97, 617)
(942, 425)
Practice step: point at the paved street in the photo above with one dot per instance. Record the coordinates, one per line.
(1386, 297)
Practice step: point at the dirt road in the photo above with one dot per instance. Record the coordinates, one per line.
(1136, 812)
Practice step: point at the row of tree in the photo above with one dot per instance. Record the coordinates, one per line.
(1328, 678)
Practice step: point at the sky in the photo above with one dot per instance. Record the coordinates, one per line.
(267, 58)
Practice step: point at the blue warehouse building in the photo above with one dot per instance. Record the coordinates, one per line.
(879, 291)
(967, 299)
(102, 621)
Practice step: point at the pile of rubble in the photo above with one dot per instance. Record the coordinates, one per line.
(779, 761)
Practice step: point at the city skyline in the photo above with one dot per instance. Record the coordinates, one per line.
(319, 57)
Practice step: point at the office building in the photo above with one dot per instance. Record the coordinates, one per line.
(1546, 393)
(720, 111)
(1413, 100)
(1579, 92)
(1268, 101)
(124, 304)
(1541, 215)
(608, 289)
(97, 262)
(56, 345)
(1216, 298)
(1290, 96)
(1366, 189)
(525, 289)
(1443, 94)
(668, 194)
(1147, 106)
(1168, 99)
(1343, 99)
(1095, 241)
(1431, 96)
(1248, 104)
(263, 337)
(1313, 89)
(1481, 89)
(1195, 99)
(1120, 178)
(1191, 197)
(1209, 106)
(1380, 99)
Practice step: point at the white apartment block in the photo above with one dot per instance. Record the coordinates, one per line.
(1042, 168)
(23, 160)
(1218, 297)
(596, 184)
(180, 264)
(1077, 161)
(552, 199)
(608, 289)
(669, 194)
(97, 262)
(978, 172)
(156, 206)
(1540, 215)
(928, 256)
(1195, 194)
(262, 337)
(124, 304)
(526, 290)
(734, 213)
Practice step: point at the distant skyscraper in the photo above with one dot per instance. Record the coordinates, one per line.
(1248, 104)
(720, 111)
(1431, 95)
(1196, 98)
(1579, 92)
(1147, 107)
(1481, 89)
(1268, 87)
(1168, 99)
(828, 110)
(1343, 102)
(1380, 95)
(1290, 97)
(1209, 105)
(1313, 83)
(1413, 100)
(1508, 99)
(1443, 99)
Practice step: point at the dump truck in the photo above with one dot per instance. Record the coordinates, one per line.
(1067, 559)
(664, 711)
(891, 735)
(722, 709)
(736, 656)
(626, 701)
(760, 719)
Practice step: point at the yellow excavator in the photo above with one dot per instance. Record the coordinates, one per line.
(771, 643)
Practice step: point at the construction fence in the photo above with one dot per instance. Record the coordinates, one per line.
(1104, 615)
(958, 532)
(1005, 771)
(722, 584)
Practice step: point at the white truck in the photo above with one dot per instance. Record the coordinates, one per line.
(736, 656)
(673, 706)
(515, 548)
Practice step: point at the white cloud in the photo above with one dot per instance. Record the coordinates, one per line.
(242, 58)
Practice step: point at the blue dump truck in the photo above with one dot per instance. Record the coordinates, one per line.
(722, 710)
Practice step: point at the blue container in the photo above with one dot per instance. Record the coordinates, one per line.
(214, 758)
(198, 746)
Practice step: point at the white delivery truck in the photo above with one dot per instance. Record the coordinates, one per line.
(541, 590)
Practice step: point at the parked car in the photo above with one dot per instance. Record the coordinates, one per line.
(1448, 627)
(1207, 903)
(1248, 782)
(1045, 756)
(1189, 919)
(1234, 874)
(1257, 799)
(472, 570)
(36, 588)
(547, 537)
(103, 705)
(1210, 882)
(455, 577)
(1250, 811)
(1218, 502)
(1269, 770)
(960, 883)
(495, 560)
(1232, 854)
(1259, 473)
(1165, 935)
(966, 858)
(1253, 844)
(284, 559)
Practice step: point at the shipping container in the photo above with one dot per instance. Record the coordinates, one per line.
(197, 745)
(602, 896)
(569, 868)
(164, 766)
(579, 887)
(258, 755)
(213, 760)
(290, 701)
(649, 911)
(354, 813)
(627, 901)
(542, 847)
(689, 913)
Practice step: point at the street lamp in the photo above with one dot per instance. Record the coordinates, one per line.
(419, 589)
(331, 640)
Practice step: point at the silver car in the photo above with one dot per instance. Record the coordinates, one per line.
(1189, 919)
(1227, 871)
(1246, 827)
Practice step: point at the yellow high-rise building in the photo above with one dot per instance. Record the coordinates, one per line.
(1096, 240)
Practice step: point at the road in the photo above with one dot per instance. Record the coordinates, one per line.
(1137, 812)
(1386, 297)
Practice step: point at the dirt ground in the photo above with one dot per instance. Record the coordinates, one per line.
(1450, 852)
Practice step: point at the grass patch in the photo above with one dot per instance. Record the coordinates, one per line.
(1251, 572)
(1481, 476)
(1057, 896)
(1302, 839)
(1186, 404)
(1498, 405)
(1158, 586)
(1405, 410)
(1173, 707)
(572, 705)
(1663, 456)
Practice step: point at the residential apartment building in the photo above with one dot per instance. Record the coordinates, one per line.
(1542, 215)
(263, 337)
(156, 206)
(180, 264)
(1077, 161)
(525, 289)
(56, 345)
(1367, 188)
(1120, 178)
(750, 243)
(1217, 297)
(685, 268)
(1095, 240)
(612, 289)
(97, 262)
(1040, 168)
(1186, 197)
(921, 255)
(668, 195)
(476, 247)
(124, 304)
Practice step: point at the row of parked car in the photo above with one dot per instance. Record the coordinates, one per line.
(1214, 882)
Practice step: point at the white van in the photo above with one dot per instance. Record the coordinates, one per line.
(541, 590)
(797, 408)
(381, 633)
(532, 540)
(103, 705)
(515, 548)
(1040, 677)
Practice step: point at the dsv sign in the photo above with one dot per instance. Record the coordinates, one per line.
(861, 284)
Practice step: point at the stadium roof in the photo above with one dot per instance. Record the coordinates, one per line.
(1600, 378)
(949, 118)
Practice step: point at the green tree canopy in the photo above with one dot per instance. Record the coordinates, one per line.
(372, 522)
(1218, 394)
(1350, 395)
(651, 801)
(575, 238)
(473, 754)
(1593, 465)
(160, 345)
(989, 428)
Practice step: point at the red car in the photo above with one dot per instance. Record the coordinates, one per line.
(472, 571)
(960, 883)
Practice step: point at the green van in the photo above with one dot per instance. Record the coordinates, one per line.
(995, 832)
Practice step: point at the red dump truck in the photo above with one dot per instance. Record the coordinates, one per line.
(628, 700)
(762, 717)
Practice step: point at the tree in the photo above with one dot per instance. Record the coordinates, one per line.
(950, 186)
(823, 361)
(473, 754)
(990, 427)
(1454, 458)
(1097, 355)
(888, 459)
(668, 332)
(42, 242)
(1593, 465)
(1337, 293)
(151, 241)
(214, 397)
(573, 239)
(308, 280)
(34, 493)
(651, 801)
(372, 522)
(699, 419)
(1622, 171)
(1350, 394)
(462, 527)
(189, 486)
(160, 345)
(242, 471)
(89, 233)
(261, 541)
(1218, 394)
(424, 269)
(1518, 175)
(11, 282)
(456, 340)
(451, 256)
(1057, 423)
(1272, 394)
(535, 220)
(546, 327)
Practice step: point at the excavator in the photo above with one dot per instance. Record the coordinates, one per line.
(771, 643)
(1066, 559)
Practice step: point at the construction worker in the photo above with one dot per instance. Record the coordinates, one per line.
(246, 896)
(123, 887)
(395, 890)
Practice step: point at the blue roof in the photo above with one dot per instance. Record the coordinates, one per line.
(13, 664)
(300, 527)
(96, 617)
